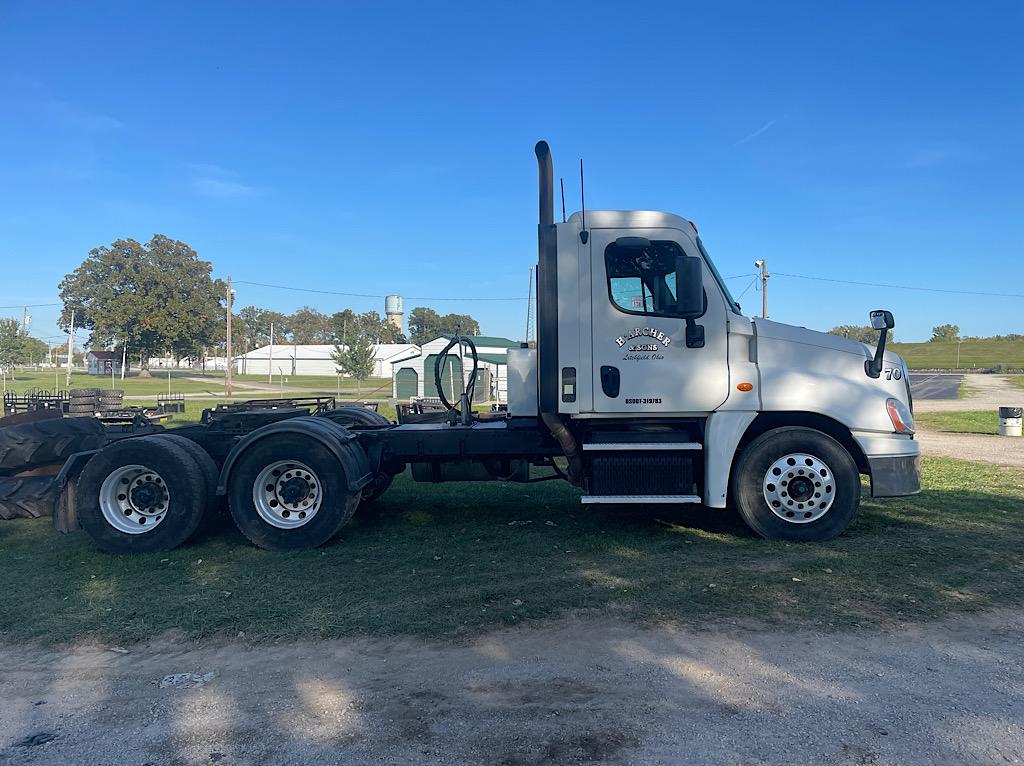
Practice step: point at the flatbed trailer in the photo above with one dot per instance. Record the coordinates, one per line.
(647, 387)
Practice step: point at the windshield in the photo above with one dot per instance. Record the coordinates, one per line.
(718, 278)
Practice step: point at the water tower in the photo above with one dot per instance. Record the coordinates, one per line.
(394, 310)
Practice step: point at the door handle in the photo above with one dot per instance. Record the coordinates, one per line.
(610, 381)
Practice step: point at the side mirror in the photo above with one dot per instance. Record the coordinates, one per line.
(689, 287)
(882, 320)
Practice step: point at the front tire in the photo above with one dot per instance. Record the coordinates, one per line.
(288, 492)
(796, 484)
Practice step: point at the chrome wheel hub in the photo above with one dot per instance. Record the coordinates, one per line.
(287, 494)
(799, 488)
(134, 499)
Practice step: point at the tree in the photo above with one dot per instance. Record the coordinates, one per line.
(370, 323)
(155, 298)
(258, 321)
(945, 333)
(862, 333)
(17, 347)
(425, 324)
(310, 326)
(10, 343)
(33, 350)
(356, 359)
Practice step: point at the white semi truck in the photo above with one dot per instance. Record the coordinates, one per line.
(647, 387)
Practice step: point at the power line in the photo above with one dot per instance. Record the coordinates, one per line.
(364, 295)
(31, 305)
(745, 289)
(899, 287)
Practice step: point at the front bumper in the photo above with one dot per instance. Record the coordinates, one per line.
(894, 461)
(895, 476)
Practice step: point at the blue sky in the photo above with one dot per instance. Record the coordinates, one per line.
(376, 148)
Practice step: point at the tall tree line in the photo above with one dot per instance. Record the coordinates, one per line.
(159, 298)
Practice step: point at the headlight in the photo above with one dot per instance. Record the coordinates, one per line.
(899, 414)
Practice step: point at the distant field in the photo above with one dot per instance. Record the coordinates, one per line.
(973, 353)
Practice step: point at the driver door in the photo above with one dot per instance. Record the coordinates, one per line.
(642, 363)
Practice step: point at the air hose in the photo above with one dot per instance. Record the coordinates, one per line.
(465, 406)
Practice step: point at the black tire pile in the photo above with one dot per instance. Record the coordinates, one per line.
(95, 401)
(83, 402)
(30, 454)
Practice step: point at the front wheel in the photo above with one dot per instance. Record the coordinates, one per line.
(288, 492)
(796, 484)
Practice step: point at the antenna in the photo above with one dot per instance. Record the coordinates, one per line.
(561, 182)
(584, 235)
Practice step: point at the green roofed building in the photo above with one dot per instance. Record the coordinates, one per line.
(413, 376)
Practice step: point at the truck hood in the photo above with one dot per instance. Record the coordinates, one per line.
(793, 334)
(787, 332)
(806, 371)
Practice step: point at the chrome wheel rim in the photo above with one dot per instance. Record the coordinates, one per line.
(287, 494)
(134, 499)
(799, 488)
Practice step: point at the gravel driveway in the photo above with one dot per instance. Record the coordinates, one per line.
(572, 691)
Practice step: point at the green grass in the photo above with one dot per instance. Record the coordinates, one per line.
(455, 559)
(132, 385)
(376, 386)
(984, 354)
(969, 422)
(188, 382)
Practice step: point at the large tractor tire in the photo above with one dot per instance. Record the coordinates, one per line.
(796, 484)
(141, 495)
(289, 492)
(355, 416)
(44, 442)
(28, 497)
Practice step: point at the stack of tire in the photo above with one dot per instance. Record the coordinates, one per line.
(31, 453)
(84, 402)
(110, 400)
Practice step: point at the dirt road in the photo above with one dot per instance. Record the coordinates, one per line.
(567, 692)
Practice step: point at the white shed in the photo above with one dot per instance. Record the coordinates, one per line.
(414, 376)
(300, 359)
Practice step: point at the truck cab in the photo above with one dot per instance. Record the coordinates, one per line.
(649, 361)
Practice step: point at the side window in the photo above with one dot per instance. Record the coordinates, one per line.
(642, 279)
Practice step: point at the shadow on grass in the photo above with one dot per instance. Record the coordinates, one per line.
(450, 560)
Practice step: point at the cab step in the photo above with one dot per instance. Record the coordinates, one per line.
(642, 446)
(640, 499)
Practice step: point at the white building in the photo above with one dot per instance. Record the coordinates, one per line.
(298, 359)
(414, 374)
(103, 362)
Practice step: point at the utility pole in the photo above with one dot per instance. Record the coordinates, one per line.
(270, 363)
(762, 264)
(71, 348)
(227, 350)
